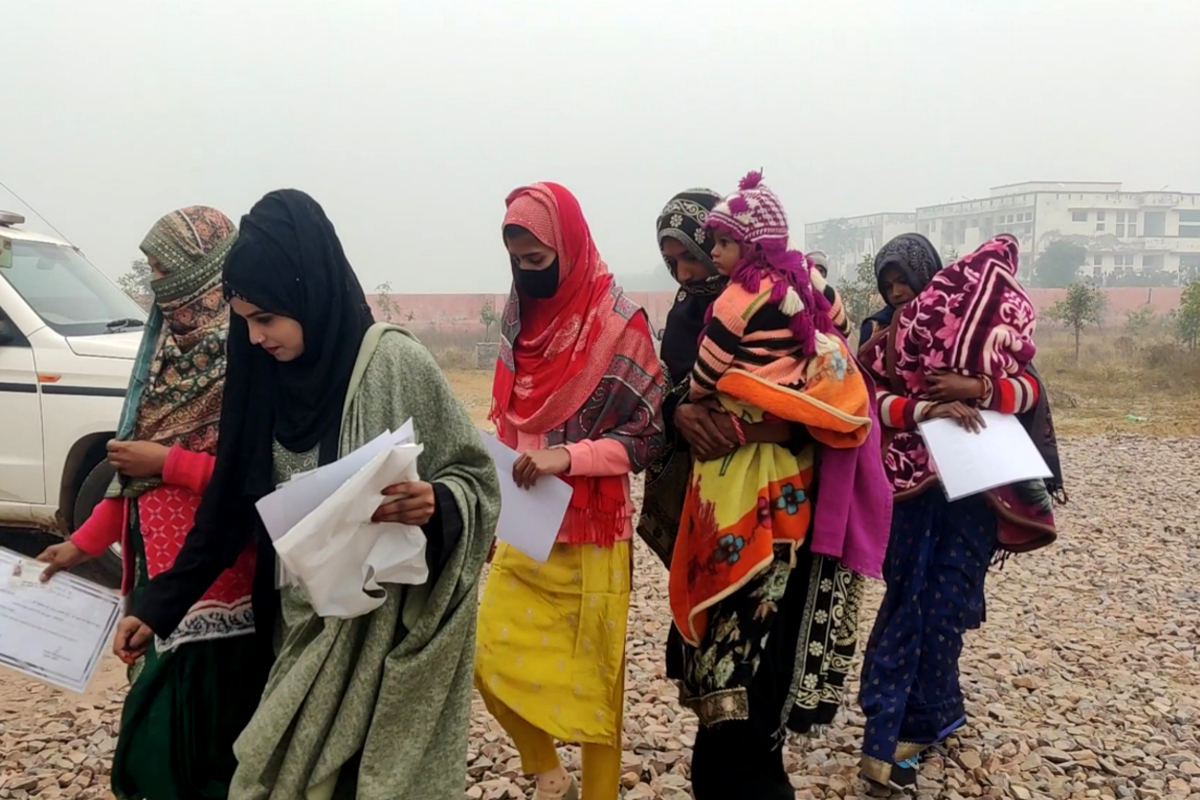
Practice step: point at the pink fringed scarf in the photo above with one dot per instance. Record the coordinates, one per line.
(579, 365)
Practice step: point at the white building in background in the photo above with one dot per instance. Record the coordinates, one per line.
(846, 240)
(1123, 232)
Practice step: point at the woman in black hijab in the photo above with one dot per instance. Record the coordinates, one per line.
(350, 708)
(686, 249)
(903, 267)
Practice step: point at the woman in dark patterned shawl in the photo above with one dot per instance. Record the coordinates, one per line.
(813, 632)
(192, 692)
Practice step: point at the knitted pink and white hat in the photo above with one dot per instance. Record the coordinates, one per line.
(753, 214)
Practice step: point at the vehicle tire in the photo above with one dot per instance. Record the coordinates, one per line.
(91, 492)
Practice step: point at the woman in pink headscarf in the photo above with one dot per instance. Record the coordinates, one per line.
(578, 390)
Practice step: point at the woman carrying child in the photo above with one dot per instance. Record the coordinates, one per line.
(743, 580)
(952, 342)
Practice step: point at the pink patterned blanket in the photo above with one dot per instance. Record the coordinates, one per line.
(973, 318)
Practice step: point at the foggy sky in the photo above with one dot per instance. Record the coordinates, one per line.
(410, 121)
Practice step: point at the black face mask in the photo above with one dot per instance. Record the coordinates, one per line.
(539, 284)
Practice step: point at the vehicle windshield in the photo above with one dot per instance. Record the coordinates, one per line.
(68, 293)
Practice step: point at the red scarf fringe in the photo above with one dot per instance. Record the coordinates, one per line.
(596, 514)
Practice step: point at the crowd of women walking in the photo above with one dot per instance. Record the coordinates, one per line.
(783, 469)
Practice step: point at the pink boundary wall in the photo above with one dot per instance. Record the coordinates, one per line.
(460, 312)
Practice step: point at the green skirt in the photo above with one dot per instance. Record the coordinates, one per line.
(184, 710)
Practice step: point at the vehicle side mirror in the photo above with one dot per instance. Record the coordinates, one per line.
(8, 332)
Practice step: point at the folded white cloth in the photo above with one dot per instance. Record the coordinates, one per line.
(340, 558)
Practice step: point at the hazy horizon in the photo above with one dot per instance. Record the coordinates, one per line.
(411, 125)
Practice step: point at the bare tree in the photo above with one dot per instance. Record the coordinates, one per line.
(388, 307)
(836, 240)
(1084, 305)
(488, 317)
(136, 282)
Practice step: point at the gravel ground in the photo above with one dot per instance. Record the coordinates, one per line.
(1084, 682)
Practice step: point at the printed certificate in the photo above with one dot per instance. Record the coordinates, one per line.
(55, 631)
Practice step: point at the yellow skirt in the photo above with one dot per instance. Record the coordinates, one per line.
(551, 641)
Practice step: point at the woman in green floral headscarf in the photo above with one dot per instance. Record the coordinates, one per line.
(193, 692)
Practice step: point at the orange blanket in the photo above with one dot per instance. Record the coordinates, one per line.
(739, 508)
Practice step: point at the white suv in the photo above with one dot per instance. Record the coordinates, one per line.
(68, 337)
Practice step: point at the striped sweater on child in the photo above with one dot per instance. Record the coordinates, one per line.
(1005, 395)
(750, 333)
(837, 309)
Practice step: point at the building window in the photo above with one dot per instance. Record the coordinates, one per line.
(1079, 216)
(1189, 231)
(1154, 223)
(1129, 230)
(1123, 261)
(1189, 216)
(1098, 261)
(1100, 221)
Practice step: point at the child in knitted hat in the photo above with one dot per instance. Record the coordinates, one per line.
(767, 320)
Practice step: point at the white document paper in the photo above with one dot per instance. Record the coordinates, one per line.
(529, 518)
(969, 463)
(55, 631)
(340, 557)
(293, 501)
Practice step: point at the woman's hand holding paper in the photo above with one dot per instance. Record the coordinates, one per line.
(409, 504)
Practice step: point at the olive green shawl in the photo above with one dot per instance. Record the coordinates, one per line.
(378, 707)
